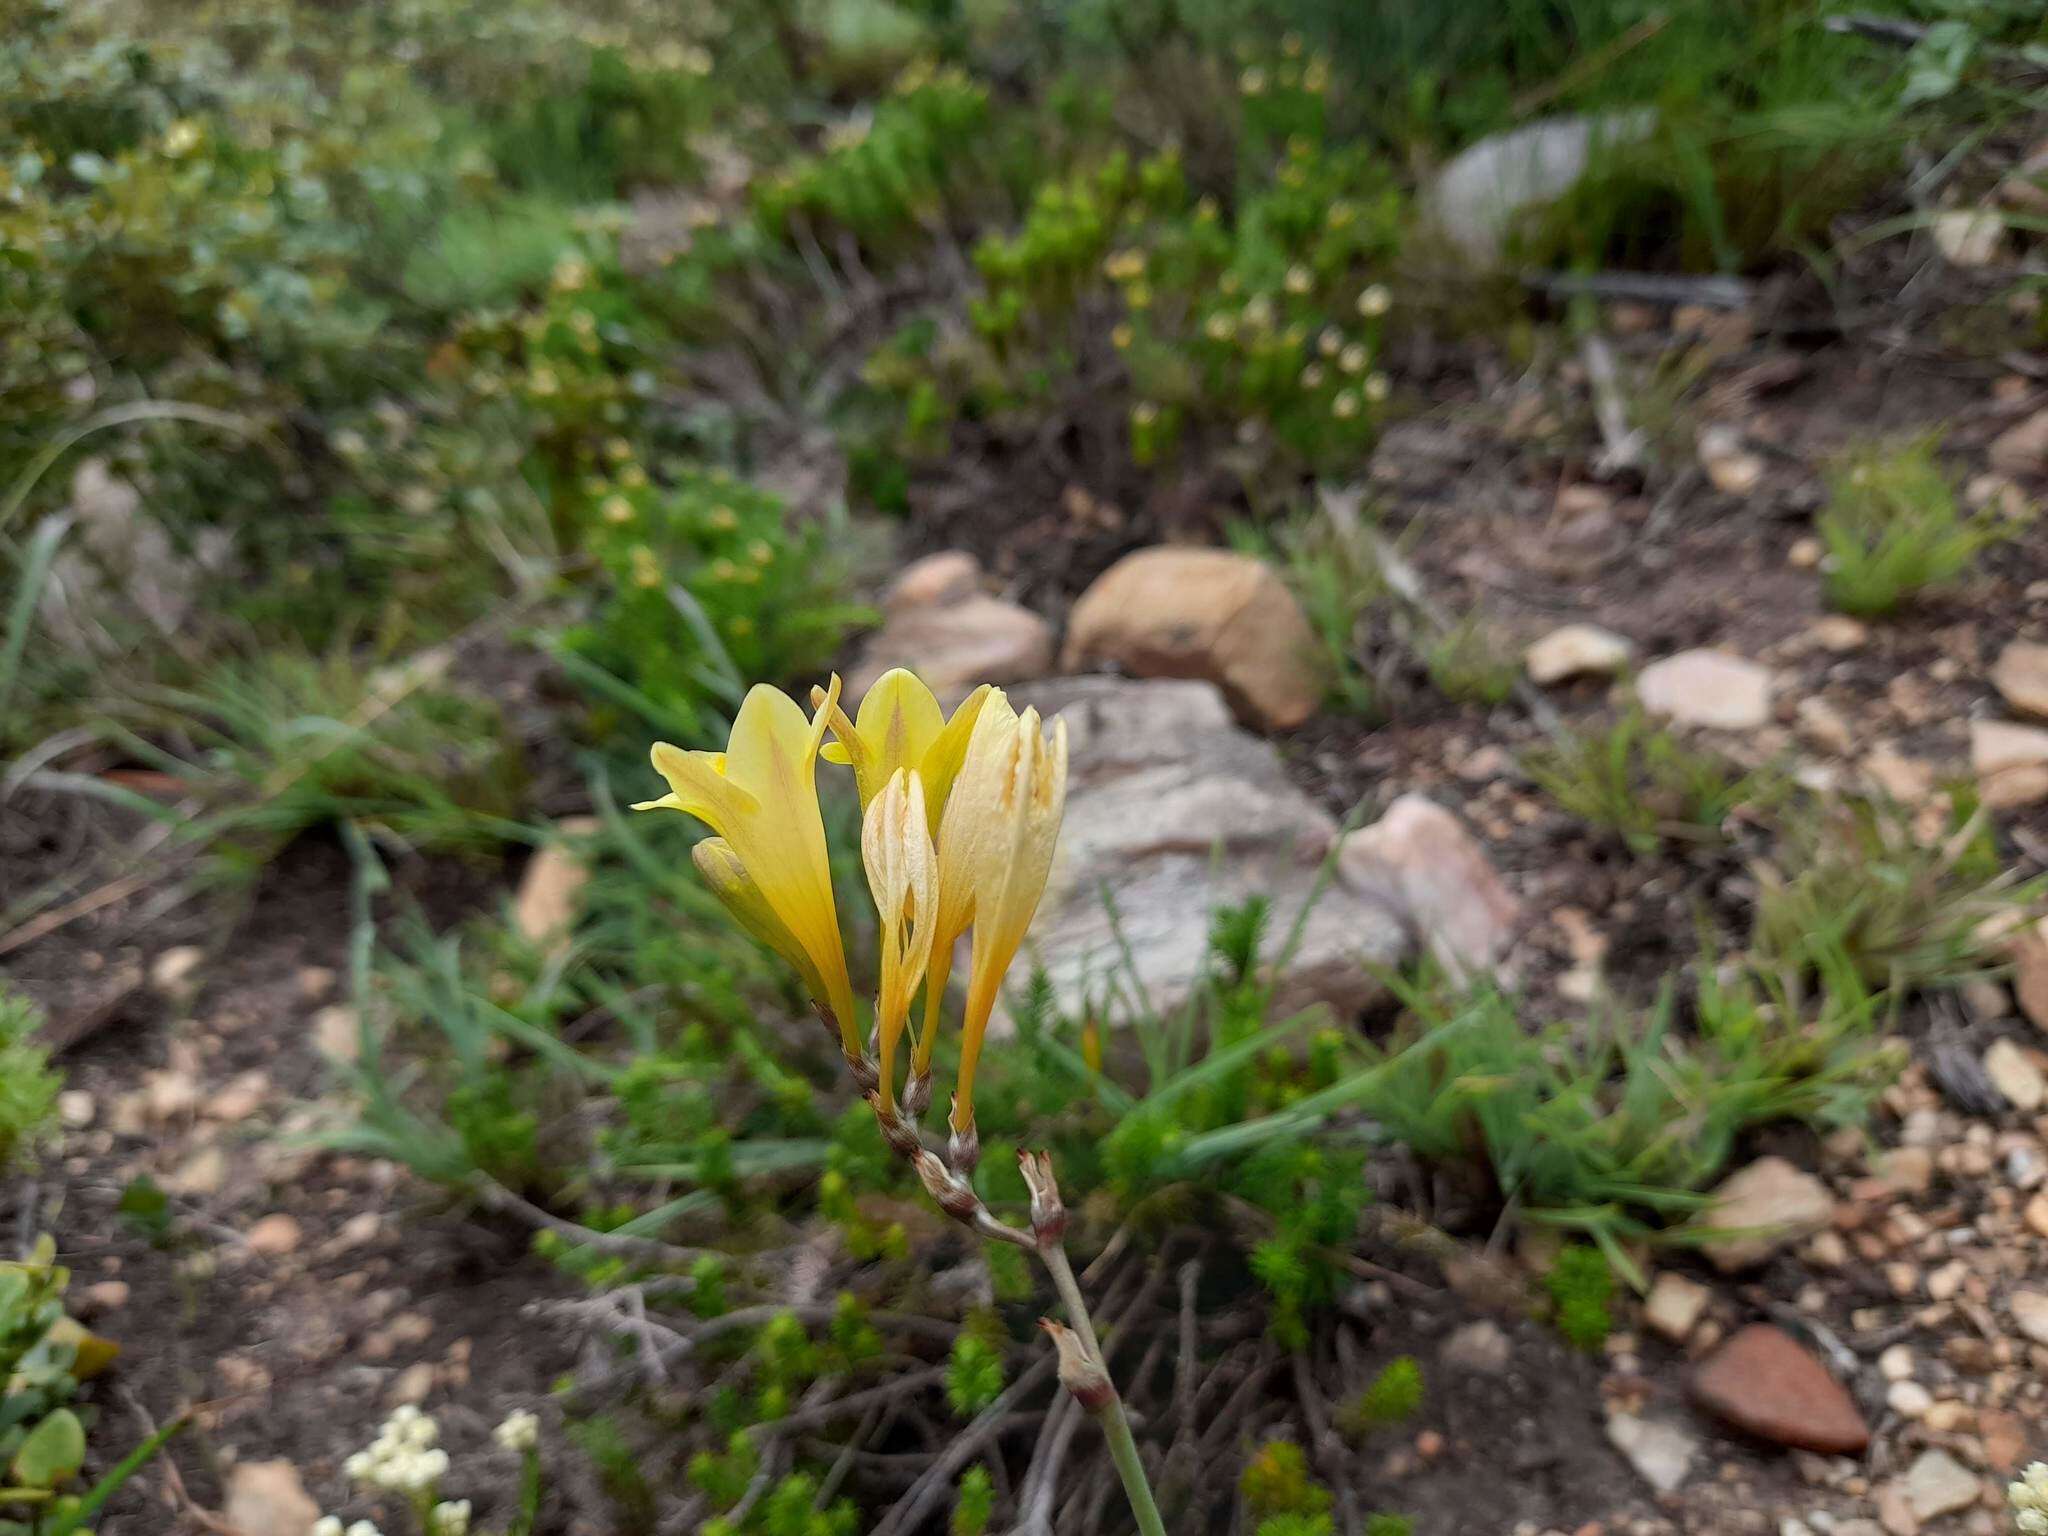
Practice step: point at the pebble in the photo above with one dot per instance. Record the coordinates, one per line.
(2013, 1073)
(413, 1384)
(2021, 675)
(274, 1236)
(1896, 1363)
(1909, 1399)
(75, 1109)
(267, 1498)
(1674, 1305)
(1480, 1347)
(1773, 1202)
(2030, 1314)
(1707, 688)
(335, 1035)
(2010, 761)
(1659, 1450)
(171, 973)
(1764, 1381)
(1937, 1484)
(1576, 650)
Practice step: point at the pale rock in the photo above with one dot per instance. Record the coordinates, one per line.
(2035, 1215)
(1225, 618)
(1661, 1451)
(1774, 1202)
(1984, 1000)
(171, 973)
(1937, 1484)
(1674, 1305)
(936, 581)
(2021, 675)
(1908, 780)
(2010, 761)
(315, 982)
(170, 1094)
(942, 626)
(412, 1385)
(203, 1173)
(104, 1296)
(1480, 1347)
(2028, 951)
(2013, 1074)
(1176, 811)
(274, 1236)
(1806, 554)
(120, 559)
(1480, 196)
(544, 909)
(1576, 650)
(335, 1033)
(1733, 469)
(75, 1109)
(1418, 860)
(1840, 633)
(1968, 237)
(2030, 1314)
(1908, 1169)
(2022, 449)
(1707, 688)
(1823, 725)
(1908, 1399)
(240, 1099)
(1895, 1509)
(266, 1498)
(1896, 1363)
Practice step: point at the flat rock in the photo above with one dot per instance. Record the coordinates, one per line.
(1419, 861)
(2022, 449)
(1480, 1347)
(2013, 1073)
(1176, 811)
(1659, 1450)
(544, 909)
(2021, 675)
(2030, 1314)
(956, 646)
(1225, 618)
(1477, 199)
(1765, 1206)
(1576, 650)
(1674, 1305)
(1937, 1484)
(2010, 761)
(1765, 1383)
(2029, 952)
(267, 1498)
(1709, 688)
(275, 1235)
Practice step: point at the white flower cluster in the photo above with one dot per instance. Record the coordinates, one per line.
(449, 1519)
(403, 1458)
(330, 1525)
(519, 1432)
(2029, 1499)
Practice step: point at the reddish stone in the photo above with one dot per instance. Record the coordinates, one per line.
(1764, 1382)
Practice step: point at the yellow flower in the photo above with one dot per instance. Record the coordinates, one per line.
(903, 874)
(995, 851)
(760, 796)
(900, 725)
(617, 509)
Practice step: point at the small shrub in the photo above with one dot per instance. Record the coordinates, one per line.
(1392, 1397)
(974, 1374)
(1646, 784)
(1276, 1482)
(1581, 1286)
(1893, 528)
(1468, 666)
(975, 1504)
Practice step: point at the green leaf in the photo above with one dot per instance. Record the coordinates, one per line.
(53, 1451)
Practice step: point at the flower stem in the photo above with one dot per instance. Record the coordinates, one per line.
(1116, 1425)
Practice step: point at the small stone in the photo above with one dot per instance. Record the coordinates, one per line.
(1202, 613)
(1908, 1399)
(1805, 554)
(1937, 1484)
(170, 1094)
(1823, 725)
(2021, 675)
(957, 647)
(267, 1498)
(203, 1173)
(358, 1231)
(1764, 1382)
(1895, 1510)
(1907, 780)
(2030, 1314)
(1985, 1000)
(1908, 1169)
(274, 1236)
(2013, 1073)
(1576, 650)
(1968, 237)
(171, 973)
(936, 581)
(1481, 1348)
(1659, 1450)
(1840, 633)
(1674, 1305)
(2010, 761)
(105, 1296)
(2036, 1215)
(1773, 1203)
(240, 1099)
(1733, 469)
(2022, 449)
(413, 1384)
(2005, 1440)
(2029, 954)
(335, 1033)
(1707, 688)
(545, 907)
(75, 1109)
(1896, 1363)
(315, 982)
(1421, 862)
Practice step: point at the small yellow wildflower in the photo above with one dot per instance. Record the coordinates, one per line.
(723, 519)
(900, 725)
(1219, 328)
(1345, 406)
(1353, 358)
(181, 138)
(646, 569)
(1252, 82)
(1122, 337)
(1377, 388)
(1374, 301)
(1312, 376)
(617, 509)
(1299, 280)
(903, 873)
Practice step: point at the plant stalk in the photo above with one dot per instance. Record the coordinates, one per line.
(1116, 1424)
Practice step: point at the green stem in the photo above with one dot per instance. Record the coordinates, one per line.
(1116, 1426)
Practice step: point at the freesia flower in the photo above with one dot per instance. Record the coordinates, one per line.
(900, 725)
(760, 796)
(902, 866)
(995, 851)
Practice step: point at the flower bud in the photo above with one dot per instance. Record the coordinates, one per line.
(1080, 1373)
(1048, 1211)
(951, 1193)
